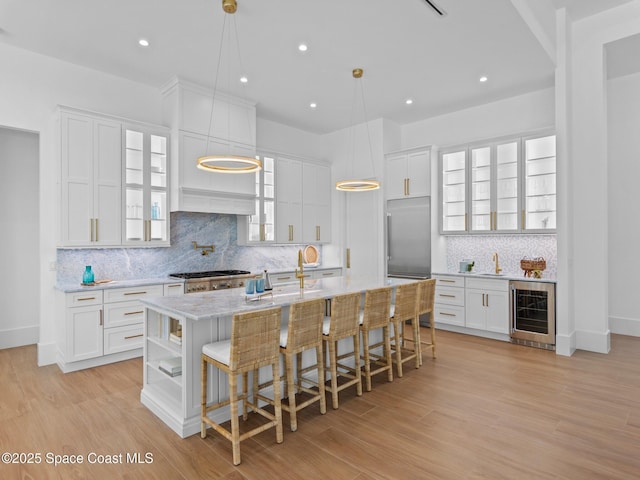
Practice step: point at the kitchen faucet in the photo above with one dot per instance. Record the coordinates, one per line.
(300, 274)
(495, 259)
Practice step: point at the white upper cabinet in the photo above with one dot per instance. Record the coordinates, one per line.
(505, 185)
(197, 130)
(316, 203)
(408, 174)
(90, 180)
(288, 200)
(146, 174)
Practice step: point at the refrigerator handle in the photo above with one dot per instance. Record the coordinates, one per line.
(388, 236)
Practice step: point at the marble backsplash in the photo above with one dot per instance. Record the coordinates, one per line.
(204, 228)
(510, 248)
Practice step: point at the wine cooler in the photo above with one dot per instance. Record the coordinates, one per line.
(533, 314)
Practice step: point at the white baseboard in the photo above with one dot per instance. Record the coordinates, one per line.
(47, 353)
(625, 326)
(19, 337)
(599, 342)
(566, 344)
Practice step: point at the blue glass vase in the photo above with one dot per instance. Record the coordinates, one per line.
(87, 277)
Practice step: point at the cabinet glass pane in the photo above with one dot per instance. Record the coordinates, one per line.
(261, 225)
(481, 189)
(134, 214)
(158, 161)
(454, 192)
(507, 186)
(540, 183)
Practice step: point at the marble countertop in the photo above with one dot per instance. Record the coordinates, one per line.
(503, 276)
(210, 305)
(77, 287)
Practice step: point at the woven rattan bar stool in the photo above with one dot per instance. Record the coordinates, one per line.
(405, 312)
(303, 332)
(376, 314)
(253, 344)
(344, 322)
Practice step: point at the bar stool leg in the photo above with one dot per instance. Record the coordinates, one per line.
(275, 369)
(245, 393)
(356, 355)
(396, 336)
(203, 387)
(235, 424)
(387, 352)
(367, 360)
(321, 379)
(415, 323)
(291, 391)
(334, 374)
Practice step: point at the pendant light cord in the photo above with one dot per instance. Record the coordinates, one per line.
(215, 81)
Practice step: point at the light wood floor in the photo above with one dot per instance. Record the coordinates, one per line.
(483, 410)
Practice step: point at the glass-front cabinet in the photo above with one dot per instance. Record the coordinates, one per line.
(454, 191)
(499, 186)
(539, 212)
(261, 225)
(146, 197)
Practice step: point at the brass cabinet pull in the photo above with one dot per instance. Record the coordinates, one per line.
(408, 191)
(466, 225)
(487, 299)
(96, 229)
(446, 295)
(523, 222)
(318, 233)
(100, 317)
(445, 314)
(135, 293)
(133, 336)
(348, 258)
(86, 298)
(446, 281)
(291, 233)
(134, 313)
(327, 274)
(262, 232)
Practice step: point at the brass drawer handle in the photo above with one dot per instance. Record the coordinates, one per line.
(135, 293)
(445, 314)
(134, 336)
(134, 313)
(85, 299)
(447, 281)
(447, 295)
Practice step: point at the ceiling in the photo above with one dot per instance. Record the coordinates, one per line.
(405, 49)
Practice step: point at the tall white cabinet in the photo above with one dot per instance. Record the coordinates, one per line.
(91, 179)
(408, 174)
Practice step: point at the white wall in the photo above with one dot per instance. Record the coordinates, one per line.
(20, 319)
(531, 111)
(32, 85)
(588, 162)
(278, 138)
(623, 124)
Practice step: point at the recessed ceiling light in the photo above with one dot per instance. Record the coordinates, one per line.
(303, 47)
(244, 79)
(483, 79)
(143, 42)
(313, 105)
(409, 101)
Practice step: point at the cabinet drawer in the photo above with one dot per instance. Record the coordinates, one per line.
(319, 274)
(171, 289)
(452, 281)
(285, 277)
(449, 314)
(132, 293)
(121, 339)
(488, 284)
(450, 296)
(80, 299)
(123, 313)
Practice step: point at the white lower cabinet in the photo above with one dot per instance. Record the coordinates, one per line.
(103, 326)
(487, 304)
(449, 300)
(309, 274)
(478, 306)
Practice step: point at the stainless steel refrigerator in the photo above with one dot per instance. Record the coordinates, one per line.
(409, 240)
(409, 237)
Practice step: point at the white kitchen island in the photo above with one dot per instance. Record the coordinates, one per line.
(204, 318)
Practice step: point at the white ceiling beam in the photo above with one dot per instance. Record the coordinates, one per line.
(539, 15)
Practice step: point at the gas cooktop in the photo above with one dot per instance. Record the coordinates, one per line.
(210, 273)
